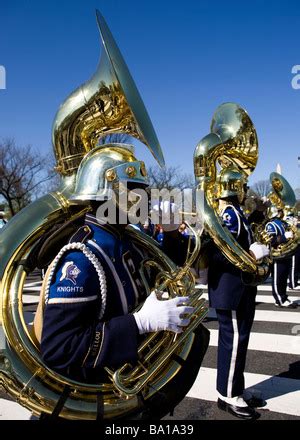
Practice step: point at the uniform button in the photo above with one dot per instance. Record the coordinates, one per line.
(113, 259)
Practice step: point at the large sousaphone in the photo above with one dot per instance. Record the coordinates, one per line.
(232, 141)
(108, 103)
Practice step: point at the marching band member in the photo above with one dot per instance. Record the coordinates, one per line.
(276, 229)
(89, 320)
(295, 261)
(3, 220)
(94, 285)
(234, 301)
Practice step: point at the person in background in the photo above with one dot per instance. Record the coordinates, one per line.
(183, 229)
(160, 234)
(3, 220)
(276, 228)
(148, 228)
(290, 218)
(233, 301)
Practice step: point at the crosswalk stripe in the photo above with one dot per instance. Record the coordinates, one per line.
(268, 299)
(282, 394)
(32, 289)
(260, 288)
(13, 411)
(268, 316)
(267, 342)
(30, 299)
(33, 283)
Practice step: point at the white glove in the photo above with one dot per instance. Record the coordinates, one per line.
(168, 215)
(288, 235)
(259, 250)
(156, 315)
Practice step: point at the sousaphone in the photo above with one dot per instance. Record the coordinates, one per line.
(283, 197)
(108, 103)
(232, 141)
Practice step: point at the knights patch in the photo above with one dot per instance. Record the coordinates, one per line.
(227, 218)
(270, 228)
(70, 272)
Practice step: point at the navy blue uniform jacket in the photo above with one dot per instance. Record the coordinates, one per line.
(225, 285)
(75, 342)
(275, 228)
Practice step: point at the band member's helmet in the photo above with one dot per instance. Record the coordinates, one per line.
(106, 168)
(231, 182)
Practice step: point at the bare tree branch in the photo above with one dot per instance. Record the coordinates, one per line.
(262, 188)
(169, 178)
(22, 171)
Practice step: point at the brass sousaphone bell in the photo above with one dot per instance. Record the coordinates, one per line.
(282, 194)
(231, 142)
(108, 103)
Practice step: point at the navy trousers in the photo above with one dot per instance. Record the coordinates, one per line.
(280, 273)
(234, 332)
(294, 269)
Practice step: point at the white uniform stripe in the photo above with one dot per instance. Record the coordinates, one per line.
(266, 342)
(235, 344)
(115, 275)
(293, 272)
(72, 300)
(282, 394)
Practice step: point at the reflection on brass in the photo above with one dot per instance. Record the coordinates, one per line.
(143, 169)
(277, 184)
(110, 175)
(283, 197)
(231, 142)
(131, 171)
(156, 366)
(108, 103)
(283, 194)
